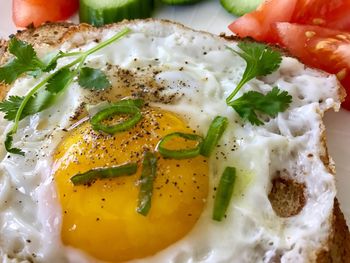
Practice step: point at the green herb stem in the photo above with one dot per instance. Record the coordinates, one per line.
(74, 62)
(104, 173)
(25, 101)
(81, 64)
(119, 35)
(235, 91)
(224, 193)
(148, 174)
(71, 54)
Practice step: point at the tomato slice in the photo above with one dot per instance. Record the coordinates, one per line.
(319, 47)
(326, 13)
(257, 24)
(26, 12)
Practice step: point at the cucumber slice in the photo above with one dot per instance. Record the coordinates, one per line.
(180, 2)
(100, 12)
(240, 7)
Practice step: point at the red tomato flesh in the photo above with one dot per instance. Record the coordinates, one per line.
(258, 24)
(332, 13)
(319, 47)
(26, 12)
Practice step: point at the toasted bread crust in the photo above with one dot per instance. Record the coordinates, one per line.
(339, 243)
(3, 87)
(52, 34)
(49, 33)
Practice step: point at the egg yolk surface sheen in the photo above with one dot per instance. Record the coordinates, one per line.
(101, 218)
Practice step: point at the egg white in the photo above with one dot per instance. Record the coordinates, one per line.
(198, 70)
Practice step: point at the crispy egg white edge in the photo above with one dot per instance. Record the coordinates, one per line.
(251, 226)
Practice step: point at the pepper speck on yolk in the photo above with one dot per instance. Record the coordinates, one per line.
(101, 219)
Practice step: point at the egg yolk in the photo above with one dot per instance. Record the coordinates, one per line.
(101, 218)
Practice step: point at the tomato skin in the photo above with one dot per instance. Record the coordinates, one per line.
(331, 13)
(26, 12)
(319, 47)
(257, 24)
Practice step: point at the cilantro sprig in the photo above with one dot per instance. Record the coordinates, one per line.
(45, 93)
(252, 102)
(24, 60)
(261, 60)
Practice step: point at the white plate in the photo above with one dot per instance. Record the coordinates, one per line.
(210, 16)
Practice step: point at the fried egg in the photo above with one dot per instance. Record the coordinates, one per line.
(184, 78)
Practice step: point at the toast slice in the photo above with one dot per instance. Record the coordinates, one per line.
(287, 195)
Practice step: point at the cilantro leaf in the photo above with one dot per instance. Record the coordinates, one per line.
(37, 103)
(40, 100)
(44, 99)
(60, 80)
(261, 60)
(252, 102)
(50, 60)
(8, 145)
(22, 50)
(10, 107)
(50, 63)
(25, 60)
(94, 79)
(274, 101)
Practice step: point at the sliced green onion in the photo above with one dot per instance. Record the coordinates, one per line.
(215, 131)
(182, 153)
(149, 169)
(104, 173)
(135, 117)
(224, 193)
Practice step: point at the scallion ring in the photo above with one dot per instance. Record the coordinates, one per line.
(104, 173)
(135, 117)
(215, 131)
(181, 153)
(224, 193)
